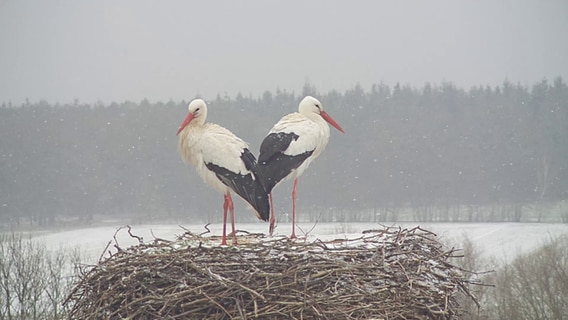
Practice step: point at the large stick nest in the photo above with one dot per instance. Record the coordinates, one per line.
(381, 274)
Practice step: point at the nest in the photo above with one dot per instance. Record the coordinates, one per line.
(381, 274)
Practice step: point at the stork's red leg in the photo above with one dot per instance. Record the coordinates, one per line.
(293, 236)
(225, 207)
(232, 211)
(272, 217)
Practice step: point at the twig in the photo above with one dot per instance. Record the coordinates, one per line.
(140, 239)
(206, 227)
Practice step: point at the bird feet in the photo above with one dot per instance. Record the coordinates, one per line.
(234, 236)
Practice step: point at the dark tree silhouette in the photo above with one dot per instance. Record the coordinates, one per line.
(487, 154)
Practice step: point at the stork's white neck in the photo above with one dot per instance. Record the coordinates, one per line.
(312, 116)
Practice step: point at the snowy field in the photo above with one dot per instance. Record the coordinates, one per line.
(499, 240)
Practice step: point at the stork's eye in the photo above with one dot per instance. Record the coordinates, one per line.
(317, 106)
(196, 110)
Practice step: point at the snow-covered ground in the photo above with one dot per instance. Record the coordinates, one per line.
(500, 240)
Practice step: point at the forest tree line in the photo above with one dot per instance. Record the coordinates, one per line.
(429, 147)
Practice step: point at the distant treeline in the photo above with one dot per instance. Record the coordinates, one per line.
(404, 147)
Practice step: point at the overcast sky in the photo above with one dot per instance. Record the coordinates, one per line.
(161, 50)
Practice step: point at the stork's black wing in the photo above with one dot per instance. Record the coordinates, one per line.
(248, 186)
(274, 165)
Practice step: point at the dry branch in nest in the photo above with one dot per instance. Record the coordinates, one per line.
(381, 274)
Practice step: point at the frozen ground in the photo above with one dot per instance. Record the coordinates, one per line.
(500, 240)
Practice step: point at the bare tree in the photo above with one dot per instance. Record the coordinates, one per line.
(33, 281)
(534, 286)
(471, 261)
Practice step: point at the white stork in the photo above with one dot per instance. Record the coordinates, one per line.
(223, 161)
(291, 145)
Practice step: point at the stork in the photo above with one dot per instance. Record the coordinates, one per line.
(290, 146)
(223, 161)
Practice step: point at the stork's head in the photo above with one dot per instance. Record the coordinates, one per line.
(197, 113)
(310, 106)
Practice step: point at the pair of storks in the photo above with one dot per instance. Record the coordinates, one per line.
(225, 162)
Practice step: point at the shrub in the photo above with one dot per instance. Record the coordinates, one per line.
(535, 285)
(33, 281)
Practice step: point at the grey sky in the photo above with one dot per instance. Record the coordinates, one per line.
(130, 50)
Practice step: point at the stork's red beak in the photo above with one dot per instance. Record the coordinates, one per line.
(185, 122)
(329, 119)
